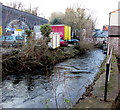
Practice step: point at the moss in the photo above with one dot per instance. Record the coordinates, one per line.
(112, 80)
(102, 69)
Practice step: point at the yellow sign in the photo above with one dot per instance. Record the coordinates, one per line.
(0, 30)
(18, 29)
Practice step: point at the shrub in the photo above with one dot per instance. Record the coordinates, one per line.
(28, 32)
(46, 30)
(84, 46)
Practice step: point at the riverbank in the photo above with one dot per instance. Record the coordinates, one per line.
(42, 60)
(65, 85)
(95, 97)
(36, 56)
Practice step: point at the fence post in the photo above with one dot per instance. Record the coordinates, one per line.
(108, 49)
(108, 66)
(106, 81)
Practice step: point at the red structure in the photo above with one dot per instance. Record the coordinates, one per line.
(58, 29)
(63, 30)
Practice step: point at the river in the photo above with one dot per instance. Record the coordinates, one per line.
(60, 90)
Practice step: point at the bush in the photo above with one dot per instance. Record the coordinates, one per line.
(84, 46)
(28, 32)
(46, 30)
(34, 56)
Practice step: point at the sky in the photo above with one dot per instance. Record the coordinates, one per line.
(100, 9)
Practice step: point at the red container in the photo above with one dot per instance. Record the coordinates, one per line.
(58, 29)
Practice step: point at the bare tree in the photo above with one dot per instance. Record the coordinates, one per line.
(16, 5)
(57, 18)
(78, 18)
(20, 6)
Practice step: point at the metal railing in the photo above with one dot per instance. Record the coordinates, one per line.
(108, 67)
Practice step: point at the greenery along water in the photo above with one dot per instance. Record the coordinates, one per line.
(62, 89)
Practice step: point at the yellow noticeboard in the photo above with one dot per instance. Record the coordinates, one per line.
(0, 30)
(18, 29)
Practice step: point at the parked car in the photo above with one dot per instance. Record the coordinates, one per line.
(72, 41)
(63, 43)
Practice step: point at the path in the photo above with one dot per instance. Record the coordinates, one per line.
(96, 100)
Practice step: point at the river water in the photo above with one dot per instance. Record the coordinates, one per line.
(62, 89)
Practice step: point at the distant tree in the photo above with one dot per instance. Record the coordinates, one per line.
(57, 18)
(33, 11)
(70, 18)
(56, 21)
(19, 5)
(76, 17)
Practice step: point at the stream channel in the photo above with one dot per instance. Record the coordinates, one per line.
(60, 90)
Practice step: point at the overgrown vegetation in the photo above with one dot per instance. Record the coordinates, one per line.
(84, 46)
(34, 56)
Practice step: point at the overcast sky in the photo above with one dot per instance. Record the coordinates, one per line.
(99, 8)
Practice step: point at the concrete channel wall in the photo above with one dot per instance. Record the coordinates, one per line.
(115, 43)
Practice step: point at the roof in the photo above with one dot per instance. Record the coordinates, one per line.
(59, 25)
(101, 34)
(114, 11)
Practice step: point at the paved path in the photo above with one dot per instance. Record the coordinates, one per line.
(96, 100)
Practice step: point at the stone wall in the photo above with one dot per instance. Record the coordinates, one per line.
(10, 14)
(115, 43)
(114, 31)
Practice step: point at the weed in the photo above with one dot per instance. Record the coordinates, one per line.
(102, 69)
(68, 102)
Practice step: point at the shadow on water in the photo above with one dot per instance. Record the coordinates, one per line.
(67, 82)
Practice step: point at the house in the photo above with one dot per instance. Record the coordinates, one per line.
(100, 36)
(114, 30)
